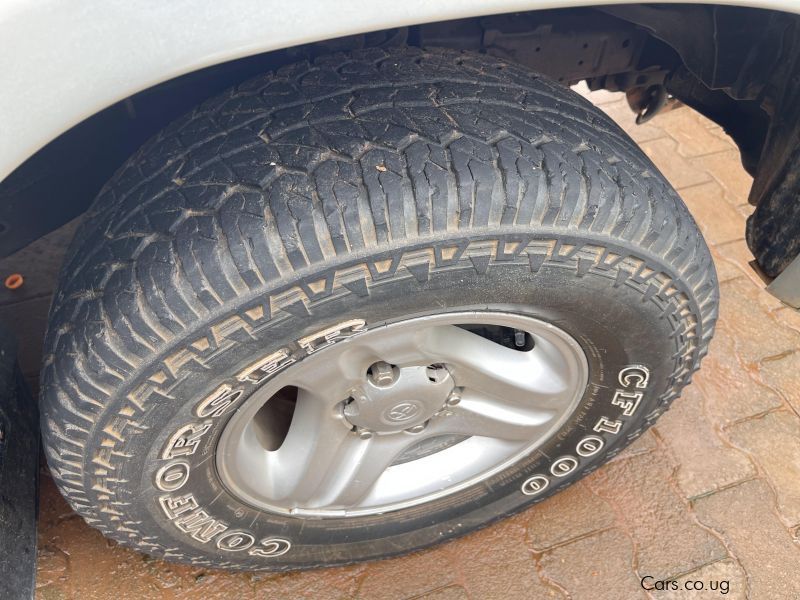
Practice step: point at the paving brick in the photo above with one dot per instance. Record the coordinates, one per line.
(724, 578)
(680, 171)
(644, 443)
(726, 168)
(705, 462)
(746, 519)
(739, 254)
(757, 334)
(689, 129)
(783, 372)
(388, 579)
(745, 210)
(731, 392)
(719, 221)
(573, 513)
(328, 584)
(601, 98)
(667, 539)
(192, 584)
(453, 592)
(52, 569)
(774, 442)
(598, 567)
(92, 565)
(625, 118)
(727, 268)
(788, 316)
(755, 287)
(495, 563)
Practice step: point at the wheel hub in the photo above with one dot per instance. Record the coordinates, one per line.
(394, 399)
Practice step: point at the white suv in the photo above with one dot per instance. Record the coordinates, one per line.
(352, 280)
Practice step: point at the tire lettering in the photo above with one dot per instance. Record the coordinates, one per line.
(606, 425)
(235, 541)
(628, 401)
(535, 485)
(217, 403)
(175, 506)
(200, 525)
(172, 476)
(271, 547)
(326, 337)
(636, 375)
(631, 378)
(563, 466)
(197, 522)
(589, 446)
(184, 442)
(263, 369)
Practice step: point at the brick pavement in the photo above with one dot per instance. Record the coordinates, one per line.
(712, 493)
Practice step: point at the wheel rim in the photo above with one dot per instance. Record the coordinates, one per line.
(402, 414)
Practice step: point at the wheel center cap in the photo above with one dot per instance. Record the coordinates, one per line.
(402, 412)
(409, 397)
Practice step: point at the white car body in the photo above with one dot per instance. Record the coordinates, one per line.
(61, 62)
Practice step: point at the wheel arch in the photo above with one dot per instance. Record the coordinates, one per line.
(93, 60)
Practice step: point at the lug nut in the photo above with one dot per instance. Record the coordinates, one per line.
(416, 428)
(454, 397)
(364, 434)
(351, 408)
(382, 374)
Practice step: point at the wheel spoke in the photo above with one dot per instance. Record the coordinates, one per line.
(322, 463)
(488, 417)
(358, 468)
(330, 380)
(534, 378)
(315, 437)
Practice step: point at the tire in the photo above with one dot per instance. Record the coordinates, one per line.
(314, 206)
